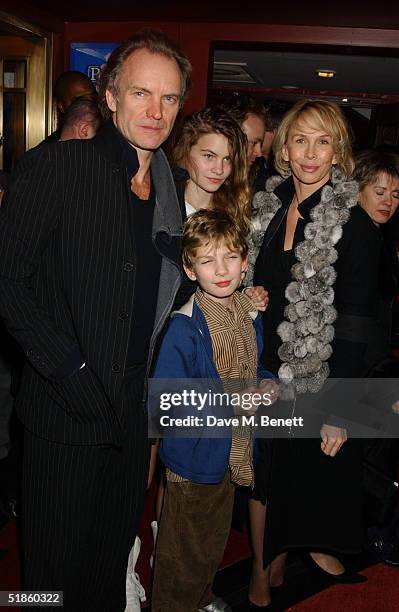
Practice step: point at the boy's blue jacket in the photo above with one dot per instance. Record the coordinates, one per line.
(186, 352)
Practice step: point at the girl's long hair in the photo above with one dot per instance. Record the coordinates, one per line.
(234, 195)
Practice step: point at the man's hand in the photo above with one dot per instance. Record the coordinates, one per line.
(258, 296)
(332, 439)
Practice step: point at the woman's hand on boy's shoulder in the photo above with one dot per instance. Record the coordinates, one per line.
(258, 296)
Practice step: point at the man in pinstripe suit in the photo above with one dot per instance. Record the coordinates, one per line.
(89, 268)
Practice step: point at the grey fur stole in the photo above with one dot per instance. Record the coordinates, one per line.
(307, 329)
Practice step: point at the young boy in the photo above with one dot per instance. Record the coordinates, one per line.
(216, 334)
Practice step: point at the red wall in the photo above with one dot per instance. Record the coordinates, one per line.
(195, 39)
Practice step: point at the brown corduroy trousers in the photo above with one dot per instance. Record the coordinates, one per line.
(193, 532)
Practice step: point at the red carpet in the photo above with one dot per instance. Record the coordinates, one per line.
(10, 579)
(237, 549)
(379, 594)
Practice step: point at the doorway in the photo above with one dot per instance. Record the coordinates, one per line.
(25, 71)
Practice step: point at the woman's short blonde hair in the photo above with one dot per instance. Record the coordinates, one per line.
(323, 115)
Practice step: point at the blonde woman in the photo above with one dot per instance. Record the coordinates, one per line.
(304, 225)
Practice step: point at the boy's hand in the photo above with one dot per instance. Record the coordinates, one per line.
(270, 387)
(254, 396)
(258, 296)
(246, 407)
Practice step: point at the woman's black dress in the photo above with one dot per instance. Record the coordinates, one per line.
(315, 501)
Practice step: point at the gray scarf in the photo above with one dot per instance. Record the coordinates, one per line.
(307, 329)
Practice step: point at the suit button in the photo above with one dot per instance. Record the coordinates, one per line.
(115, 170)
(116, 368)
(123, 316)
(128, 266)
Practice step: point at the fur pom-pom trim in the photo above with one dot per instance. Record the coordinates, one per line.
(307, 331)
(290, 313)
(310, 313)
(286, 373)
(292, 292)
(286, 331)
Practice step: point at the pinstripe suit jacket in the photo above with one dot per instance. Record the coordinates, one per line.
(67, 276)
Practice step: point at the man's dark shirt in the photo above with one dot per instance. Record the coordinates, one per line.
(148, 265)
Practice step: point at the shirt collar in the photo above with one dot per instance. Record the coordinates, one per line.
(241, 309)
(116, 148)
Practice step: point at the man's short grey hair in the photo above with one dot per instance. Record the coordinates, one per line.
(153, 40)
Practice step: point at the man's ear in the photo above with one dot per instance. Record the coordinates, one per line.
(83, 130)
(111, 100)
(244, 265)
(190, 273)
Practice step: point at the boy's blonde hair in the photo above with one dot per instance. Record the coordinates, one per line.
(323, 115)
(211, 226)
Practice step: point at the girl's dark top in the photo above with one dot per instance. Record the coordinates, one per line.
(187, 287)
(273, 267)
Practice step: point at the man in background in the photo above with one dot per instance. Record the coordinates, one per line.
(251, 116)
(275, 111)
(82, 119)
(69, 86)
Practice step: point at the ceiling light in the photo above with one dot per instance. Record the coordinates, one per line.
(344, 99)
(326, 74)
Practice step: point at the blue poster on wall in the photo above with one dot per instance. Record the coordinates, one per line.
(90, 57)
